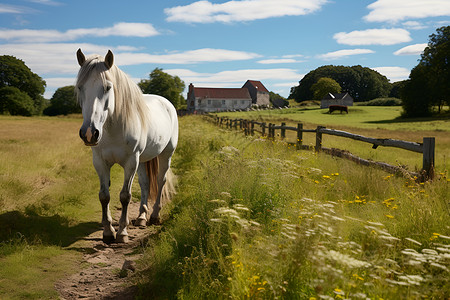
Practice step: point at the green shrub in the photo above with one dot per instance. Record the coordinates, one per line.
(382, 102)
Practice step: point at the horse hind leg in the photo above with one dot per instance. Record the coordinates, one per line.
(144, 183)
(163, 176)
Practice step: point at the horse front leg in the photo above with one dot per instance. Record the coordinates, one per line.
(125, 197)
(103, 171)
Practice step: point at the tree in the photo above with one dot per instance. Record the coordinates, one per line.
(428, 83)
(277, 100)
(396, 88)
(14, 73)
(15, 102)
(63, 102)
(163, 84)
(323, 86)
(416, 99)
(362, 83)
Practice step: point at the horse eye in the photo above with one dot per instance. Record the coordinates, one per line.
(108, 88)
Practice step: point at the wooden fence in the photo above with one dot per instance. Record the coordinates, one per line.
(427, 148)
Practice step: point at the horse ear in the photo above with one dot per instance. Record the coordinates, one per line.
(109, 59)
(80, 56)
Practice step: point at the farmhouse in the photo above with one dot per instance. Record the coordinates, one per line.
(336, 99)
(220, 99)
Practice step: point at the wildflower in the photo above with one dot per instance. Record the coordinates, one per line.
(413, 241)
(326, 177)
(389, 216)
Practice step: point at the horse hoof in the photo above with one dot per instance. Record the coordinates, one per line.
(108, 239)
(154, 221)
(122, 239)
(140, 223)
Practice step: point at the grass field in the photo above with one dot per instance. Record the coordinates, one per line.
(256, 220)
(370, 121)
(252, 219)
(48, 200)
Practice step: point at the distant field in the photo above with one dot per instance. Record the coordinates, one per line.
(367, 117)
(371, 121)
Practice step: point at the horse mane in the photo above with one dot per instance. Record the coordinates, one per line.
(129, 105)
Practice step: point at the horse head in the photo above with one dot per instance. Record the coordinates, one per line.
(95, 93)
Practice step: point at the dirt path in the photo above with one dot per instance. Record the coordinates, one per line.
(104, 269)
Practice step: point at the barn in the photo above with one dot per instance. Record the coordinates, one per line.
(205, 99)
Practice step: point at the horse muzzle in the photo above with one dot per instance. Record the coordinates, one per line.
(90, 137)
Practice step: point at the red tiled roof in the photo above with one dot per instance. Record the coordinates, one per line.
(221, 93)
(258, 85)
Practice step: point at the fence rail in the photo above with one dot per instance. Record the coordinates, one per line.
(427, 148)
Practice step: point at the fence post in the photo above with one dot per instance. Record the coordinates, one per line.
(428, 158)
(252, 130)
(283, 131)
(263, 129)
(299, 136)
(319, 138)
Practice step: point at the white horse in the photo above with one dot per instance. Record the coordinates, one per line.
(139, 132)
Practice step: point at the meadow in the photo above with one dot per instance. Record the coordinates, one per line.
(370, 121)
(252, 219)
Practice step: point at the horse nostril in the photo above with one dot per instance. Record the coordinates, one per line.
(96, 134)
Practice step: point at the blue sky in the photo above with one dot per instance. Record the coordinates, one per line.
(220, 43)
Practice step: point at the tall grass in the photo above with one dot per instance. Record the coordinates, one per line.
(255, 219)
(48, 200)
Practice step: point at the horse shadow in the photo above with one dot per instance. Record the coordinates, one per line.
(47, 230)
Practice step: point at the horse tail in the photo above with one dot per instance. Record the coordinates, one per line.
(152, 167)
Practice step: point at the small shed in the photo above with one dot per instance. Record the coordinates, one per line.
(336, 99)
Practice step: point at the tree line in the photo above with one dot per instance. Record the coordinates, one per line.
(427, 88)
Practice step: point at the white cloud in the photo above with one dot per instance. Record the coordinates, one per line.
(398, 10)
(186, 57)
(14, 9)
(46, 2)
(344, 53)
(415, 49)
(393, 73)
(240, 11)
(44, 36)
(373, 37)
(60, 58)
(278, 61)
(235, 78)
(414, 25)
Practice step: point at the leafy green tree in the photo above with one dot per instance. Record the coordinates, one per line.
(428, 83)
(396, 87)
(436, 59)
(15, 102)
(362, 83)
(14, 73)
(415, 94)
(163, 84)
(63, 102)
(323, 86)
(277, 100)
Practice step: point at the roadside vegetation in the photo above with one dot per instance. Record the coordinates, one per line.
(256, 219)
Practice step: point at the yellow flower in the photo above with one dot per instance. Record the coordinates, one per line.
(389, 216)
(326, 176)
